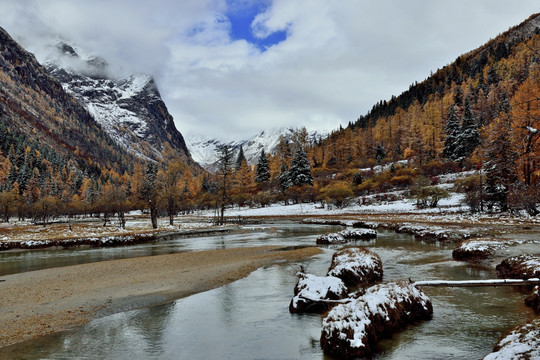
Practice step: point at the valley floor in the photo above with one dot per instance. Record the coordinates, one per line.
(45, 301)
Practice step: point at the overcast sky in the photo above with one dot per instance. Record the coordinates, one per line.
(230, 68)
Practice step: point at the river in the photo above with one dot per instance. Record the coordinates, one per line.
(249, 319)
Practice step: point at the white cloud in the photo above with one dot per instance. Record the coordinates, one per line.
(339, 58)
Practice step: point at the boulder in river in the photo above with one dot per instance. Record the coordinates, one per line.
(351, 330)
(523, 342)
(311, 289)
(525, 266)
(356, 266)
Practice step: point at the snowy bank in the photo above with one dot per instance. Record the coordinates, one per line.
(106, 241)
(523, 342)
(356, 266)
(311, 289)
(352, 330)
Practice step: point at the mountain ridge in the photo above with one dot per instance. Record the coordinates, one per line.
(130, 108)
(204, 150)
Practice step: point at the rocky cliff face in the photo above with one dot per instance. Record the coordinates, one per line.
(130, 109)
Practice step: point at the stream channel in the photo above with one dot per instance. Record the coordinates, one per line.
(249, 318)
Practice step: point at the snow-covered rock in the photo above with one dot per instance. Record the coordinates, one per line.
(333, 238)
(520, 267)
(523, 342)
(533, 300)
(478, 249)
(356, 265)
(351, 330)
(346, 235)
(358, 234)
(311, 288)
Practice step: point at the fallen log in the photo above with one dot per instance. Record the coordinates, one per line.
(477, 283)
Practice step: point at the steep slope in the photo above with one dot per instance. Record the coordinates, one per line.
(502, 75)
(35, 109)
(130, 109)
(469, 65)
(204, 151)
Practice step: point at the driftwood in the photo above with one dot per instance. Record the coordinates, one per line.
(476, 283)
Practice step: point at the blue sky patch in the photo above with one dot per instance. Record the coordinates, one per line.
(241, 14)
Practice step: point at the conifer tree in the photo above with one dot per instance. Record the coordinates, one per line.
(262, 174)
(300, 171)
(380, 153)
(284, 178)
(240, 159)
(469, 138)
(452, 130)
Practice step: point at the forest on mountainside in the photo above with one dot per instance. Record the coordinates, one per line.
(480, 113)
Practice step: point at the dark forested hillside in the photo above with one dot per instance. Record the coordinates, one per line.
(36, 112)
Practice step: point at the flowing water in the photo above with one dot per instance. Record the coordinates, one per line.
(249, 319)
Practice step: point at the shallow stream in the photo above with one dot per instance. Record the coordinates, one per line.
(249, 318)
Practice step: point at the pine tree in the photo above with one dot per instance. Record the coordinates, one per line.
(240, 159)
(284, 178)
(149, 191)
(452, 130)
(262, 174)
(380, 153)
(300, 171)
(469, 138)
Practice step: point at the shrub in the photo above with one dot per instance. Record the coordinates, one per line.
(471, 186)
(401, 181)
(337, 194)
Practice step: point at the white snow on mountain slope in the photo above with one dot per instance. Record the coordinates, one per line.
(129, 109)
(204, 150)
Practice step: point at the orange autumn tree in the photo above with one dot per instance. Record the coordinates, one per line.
(526, 124)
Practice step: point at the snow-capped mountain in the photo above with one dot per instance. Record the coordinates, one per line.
(204, 150)
(129, 109)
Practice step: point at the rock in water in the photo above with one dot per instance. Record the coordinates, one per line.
(311, 288)
(352, 330)
(356, 266)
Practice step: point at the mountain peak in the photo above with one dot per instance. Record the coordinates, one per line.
(129, 108)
